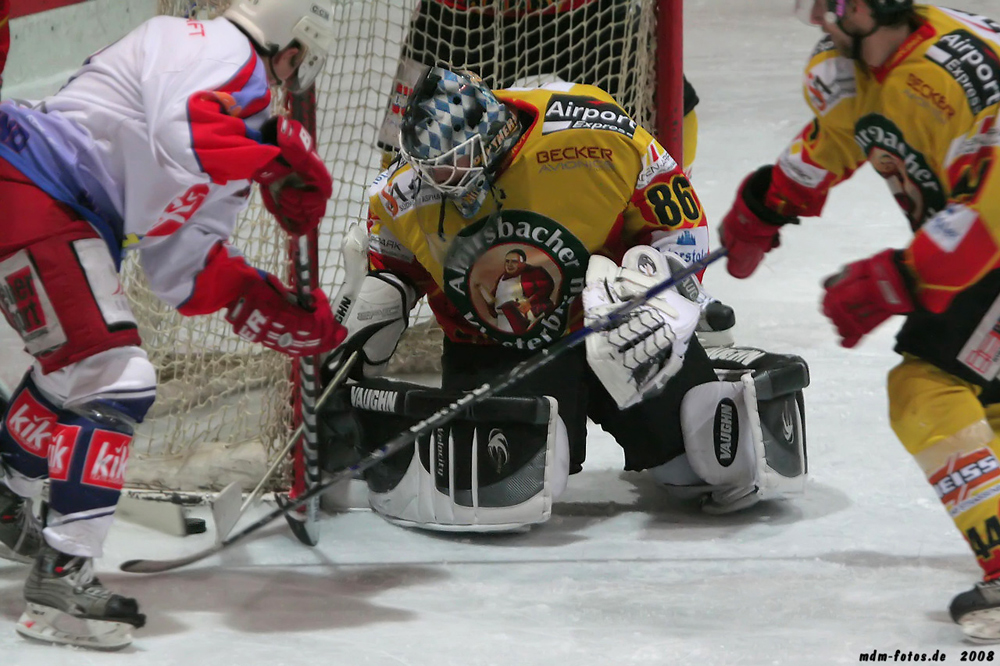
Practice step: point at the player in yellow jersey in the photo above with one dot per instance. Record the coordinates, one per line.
(520, 214)
(915, 90)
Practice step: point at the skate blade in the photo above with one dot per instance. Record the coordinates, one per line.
(54, 626)
(982, 626)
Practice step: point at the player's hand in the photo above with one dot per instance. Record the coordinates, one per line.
(268, 313)
(750, 229)
(295, 185)
(866, 293)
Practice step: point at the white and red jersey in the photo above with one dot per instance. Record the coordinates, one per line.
(153, 141)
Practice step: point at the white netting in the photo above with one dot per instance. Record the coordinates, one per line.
(224, 406)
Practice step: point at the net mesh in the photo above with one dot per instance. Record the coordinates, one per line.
(224, 407)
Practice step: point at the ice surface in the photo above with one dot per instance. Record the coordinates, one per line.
(866, 560)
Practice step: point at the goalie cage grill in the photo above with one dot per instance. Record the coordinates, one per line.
(224, 406)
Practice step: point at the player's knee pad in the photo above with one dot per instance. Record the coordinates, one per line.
(744, 436)
(93, 407)
(927, 404)
(964, 471)
(25, 435)
(496, 468)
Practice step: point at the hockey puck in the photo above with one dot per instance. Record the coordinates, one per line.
(194, 525)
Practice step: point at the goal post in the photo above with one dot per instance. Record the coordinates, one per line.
(224, 406)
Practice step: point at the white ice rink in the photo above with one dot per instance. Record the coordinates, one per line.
(867, 560)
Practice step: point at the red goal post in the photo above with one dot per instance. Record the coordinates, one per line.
(225, 407)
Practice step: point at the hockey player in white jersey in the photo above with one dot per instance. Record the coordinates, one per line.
(151, 147)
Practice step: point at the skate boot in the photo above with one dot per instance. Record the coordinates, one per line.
(67, 604)
(977, 611)
(20, 530)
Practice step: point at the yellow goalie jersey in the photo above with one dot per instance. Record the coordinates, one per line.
(927, 122)
(584, 178)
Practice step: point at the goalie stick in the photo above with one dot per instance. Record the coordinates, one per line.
(435, 420)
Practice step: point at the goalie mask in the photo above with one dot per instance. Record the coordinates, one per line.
(454, 133)
(275, 25)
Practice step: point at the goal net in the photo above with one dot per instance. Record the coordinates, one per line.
(224, 406)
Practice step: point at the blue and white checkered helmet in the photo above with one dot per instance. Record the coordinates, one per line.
(455, 132)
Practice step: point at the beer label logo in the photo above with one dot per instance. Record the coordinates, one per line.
(913, 183)
(514, 276)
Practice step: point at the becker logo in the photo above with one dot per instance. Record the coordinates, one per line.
(926, 91)
(31, 424)
(61, 451)
(963, 474)
(575, 153)
(106, 460)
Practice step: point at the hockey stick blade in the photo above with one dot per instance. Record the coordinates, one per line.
(435, 420)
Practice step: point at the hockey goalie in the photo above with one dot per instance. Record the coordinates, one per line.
(520, 215)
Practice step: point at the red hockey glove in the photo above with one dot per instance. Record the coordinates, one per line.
(295, 185)
(750, 229)
(268, 313)
(866, 293)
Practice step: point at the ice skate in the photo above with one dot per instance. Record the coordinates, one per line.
(67, 604)
(977, 611)
(20, 530)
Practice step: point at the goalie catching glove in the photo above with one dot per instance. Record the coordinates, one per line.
(296, 184)
(268, 313)
(637, 357)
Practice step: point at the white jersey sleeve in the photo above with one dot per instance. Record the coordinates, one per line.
(155, 134)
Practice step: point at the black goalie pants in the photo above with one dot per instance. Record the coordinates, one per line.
(649, 433)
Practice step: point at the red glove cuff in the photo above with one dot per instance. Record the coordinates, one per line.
(268, 313)
(866, 293)
(750, 229)
(296, 185)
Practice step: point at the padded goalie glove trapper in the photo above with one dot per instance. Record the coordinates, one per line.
(635, 359)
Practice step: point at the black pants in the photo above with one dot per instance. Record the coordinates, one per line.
(649, 433)
(939, 338)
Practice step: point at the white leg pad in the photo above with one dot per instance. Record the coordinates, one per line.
(416, 501)
(723, 440)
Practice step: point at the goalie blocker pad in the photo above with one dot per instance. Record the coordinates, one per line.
(744, 436)
(496, 468)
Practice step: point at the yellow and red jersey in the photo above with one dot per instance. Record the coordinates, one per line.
(927, 122)
(583, 179)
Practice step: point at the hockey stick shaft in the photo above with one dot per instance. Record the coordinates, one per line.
(306, 526)
(437, 419)
(335, 382)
